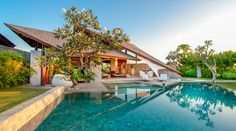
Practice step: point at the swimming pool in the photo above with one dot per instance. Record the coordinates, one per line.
(135, 106)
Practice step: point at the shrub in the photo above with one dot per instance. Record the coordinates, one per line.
(230, 75)
(13, 71)
(190, 73)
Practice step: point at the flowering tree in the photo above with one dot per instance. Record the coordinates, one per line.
(84, 38)
(207, 56)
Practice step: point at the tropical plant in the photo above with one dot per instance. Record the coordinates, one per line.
(51, 58)
(187, 60)
(13, 70)
(84, 38)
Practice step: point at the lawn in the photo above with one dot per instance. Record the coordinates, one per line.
(227, 85)
(194, 78)
(10, 97)
(224, 85)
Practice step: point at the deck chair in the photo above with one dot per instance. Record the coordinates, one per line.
(144, 76)
(163, 77)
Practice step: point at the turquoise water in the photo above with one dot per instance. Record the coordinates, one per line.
(192, 106)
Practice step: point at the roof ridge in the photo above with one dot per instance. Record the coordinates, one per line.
(13, 25)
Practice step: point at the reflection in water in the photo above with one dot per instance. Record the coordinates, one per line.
(202, 99)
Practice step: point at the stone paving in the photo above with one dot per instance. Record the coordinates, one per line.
(89, 87)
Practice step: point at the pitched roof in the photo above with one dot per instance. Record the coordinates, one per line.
(44, 37)
(142, 53)
(48, 39)
(118, 55)
(4, 41)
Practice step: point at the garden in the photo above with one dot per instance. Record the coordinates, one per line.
(14, 73)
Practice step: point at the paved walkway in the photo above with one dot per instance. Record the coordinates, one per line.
(121, 79)
(138, 79)
(89, 87)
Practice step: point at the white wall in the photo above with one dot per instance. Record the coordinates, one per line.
(98, 72)
(35, 79)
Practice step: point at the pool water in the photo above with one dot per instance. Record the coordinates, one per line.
(134, 106)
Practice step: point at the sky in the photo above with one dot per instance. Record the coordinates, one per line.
(156, 26)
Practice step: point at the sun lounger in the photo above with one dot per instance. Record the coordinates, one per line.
(144, 76)
(163, 77)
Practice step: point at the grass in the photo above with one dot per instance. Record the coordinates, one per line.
(224, 85)
(227, 85)
(11, 97)
(194, 78)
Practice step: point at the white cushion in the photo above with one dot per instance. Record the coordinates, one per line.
(61, 80)
(150, 74)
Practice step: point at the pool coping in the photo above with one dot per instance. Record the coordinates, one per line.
(24, 115)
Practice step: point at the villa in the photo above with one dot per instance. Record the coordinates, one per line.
(125, 63)
(83, 76)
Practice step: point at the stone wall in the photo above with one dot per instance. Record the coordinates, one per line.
(26, 55)
(28, 115)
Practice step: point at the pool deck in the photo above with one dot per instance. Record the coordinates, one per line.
(99, 86)
(138, 79)
(89, 87)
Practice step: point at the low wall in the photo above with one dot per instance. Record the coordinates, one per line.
(28, 115)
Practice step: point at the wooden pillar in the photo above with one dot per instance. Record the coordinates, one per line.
(42, 68)
(36, 46)
(47, 77)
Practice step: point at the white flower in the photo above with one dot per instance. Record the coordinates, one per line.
(117, 31)
(105, 29)
(63, 10)
(83, 10)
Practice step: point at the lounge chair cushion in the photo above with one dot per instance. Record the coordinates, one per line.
(61, 80)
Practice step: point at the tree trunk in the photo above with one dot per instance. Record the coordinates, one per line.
(86, 67)
(213, 76)
(74, 84)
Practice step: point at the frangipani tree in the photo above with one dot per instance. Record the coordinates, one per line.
(207, 56)
(85, 38)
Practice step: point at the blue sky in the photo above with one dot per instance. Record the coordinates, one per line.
(156, 26)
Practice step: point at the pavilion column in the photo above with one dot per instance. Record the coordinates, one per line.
(42, 68)
(35, 78)
(114, 64)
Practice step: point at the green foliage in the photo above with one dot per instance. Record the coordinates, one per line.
(105, 68)
(230, 75)
(190, 73)
(13, 71)
(77, 75)
(84, 39)
(185, 59)
(89, 75)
